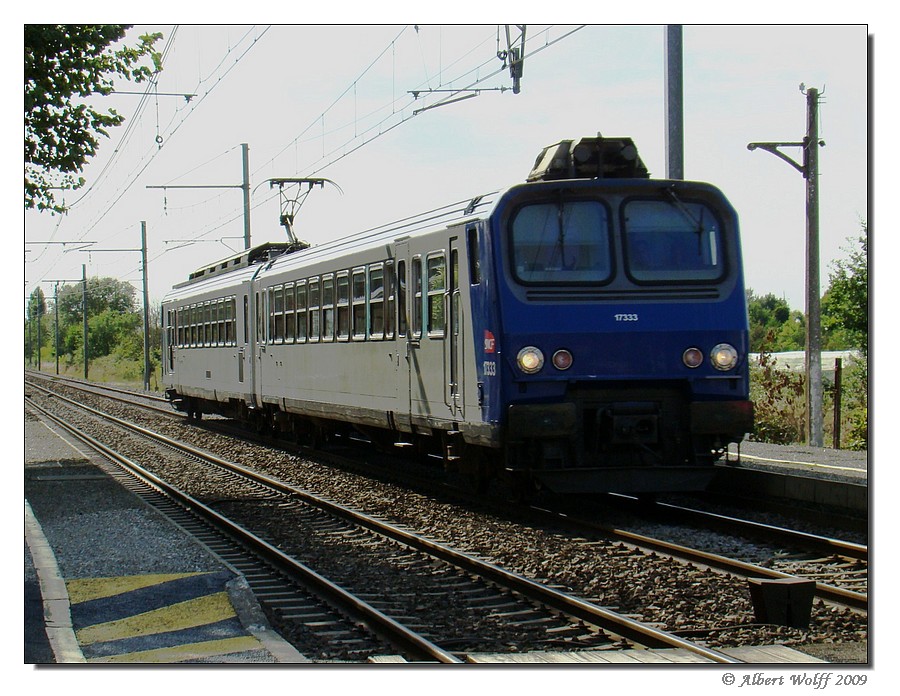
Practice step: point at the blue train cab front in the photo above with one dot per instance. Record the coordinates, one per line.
(622, 322)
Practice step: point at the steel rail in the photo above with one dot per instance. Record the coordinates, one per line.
(380, 624)
(90, 386)
(840, 595)
(583, 610)
(768, 531)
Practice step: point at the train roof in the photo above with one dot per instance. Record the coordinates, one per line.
(438, 218)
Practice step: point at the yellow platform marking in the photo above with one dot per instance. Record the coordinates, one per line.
(176, 617)
(190, 651)
(86, 589)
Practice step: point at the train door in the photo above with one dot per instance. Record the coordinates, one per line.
(258, 323)
(454, 382)
(403, 341)
(243, 338)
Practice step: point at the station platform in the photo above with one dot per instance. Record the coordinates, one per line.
(110, 580)
(818, 462)
(822, 477)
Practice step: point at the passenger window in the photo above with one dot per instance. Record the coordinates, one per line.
(417, 297)
(328, 308)
(260, 323)
(359, 304)
(474, 257)
(301, 312)
(389, 299)
(196, 326)
(220, 322)
(314, 318)
(230, 306)
(437, 282)
(290, 321)
(215, 318)
(376, 301)
(343, 306)
(207, 324)
(246, 318)
(278, 315)
(401, 298)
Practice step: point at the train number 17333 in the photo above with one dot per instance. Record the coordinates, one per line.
(626, 317)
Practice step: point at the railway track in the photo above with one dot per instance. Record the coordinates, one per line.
(593, 588)
(512, 605)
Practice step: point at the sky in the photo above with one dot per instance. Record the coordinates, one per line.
(335, 101)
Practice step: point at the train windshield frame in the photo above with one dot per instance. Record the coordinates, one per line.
(668, 240)
(567, 242)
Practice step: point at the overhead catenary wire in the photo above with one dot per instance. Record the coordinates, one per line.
(368, 135)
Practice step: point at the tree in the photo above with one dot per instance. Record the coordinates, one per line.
(64, 64)
(102, 294)
(773, 325)
(845, 307)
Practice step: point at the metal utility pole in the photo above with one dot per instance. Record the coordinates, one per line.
(146, 306)
(244, 186)
(84, 307)
(40, 316)
(810, 171)
(674, 103)
(245, 159)
(56, 324)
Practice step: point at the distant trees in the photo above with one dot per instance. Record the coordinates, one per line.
(114, 322)
(774, 327)
(845, 306)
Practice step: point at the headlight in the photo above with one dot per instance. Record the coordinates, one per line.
(562, 359)
(530, 360)
(692, 357)
(724, 357)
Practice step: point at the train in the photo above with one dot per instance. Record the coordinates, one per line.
(581, 331)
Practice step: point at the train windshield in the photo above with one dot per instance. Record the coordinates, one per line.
(565, 242)
(672, 241)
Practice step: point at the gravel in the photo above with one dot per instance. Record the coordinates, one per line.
(703, 604)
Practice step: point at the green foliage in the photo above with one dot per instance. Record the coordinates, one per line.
(111, 332)
(773, 324)
(102, 294)
(37, 304)
(64, 65)
(778, 403)
(855, 407)
(845, 307)
(115, 326)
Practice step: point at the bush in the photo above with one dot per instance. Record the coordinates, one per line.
(778, 402)
(855, 406)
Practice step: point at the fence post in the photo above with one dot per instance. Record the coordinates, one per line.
(838, 367)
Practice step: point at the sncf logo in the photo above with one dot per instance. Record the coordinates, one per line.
(490, 342)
